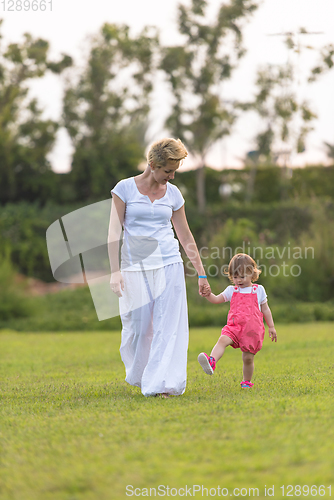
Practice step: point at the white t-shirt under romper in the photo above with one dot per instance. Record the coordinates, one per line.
(153, 306)
(260, 291)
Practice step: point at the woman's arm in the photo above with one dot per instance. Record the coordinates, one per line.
(269, 320)
(187, 240)
(114, 234)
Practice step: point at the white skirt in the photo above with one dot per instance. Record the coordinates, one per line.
(155, 330)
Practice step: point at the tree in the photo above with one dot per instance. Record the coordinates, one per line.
(25, 138)
(105, 113)
(330, 150)
(325, 64)
(278, 105)
(195, 70)
(286, 121)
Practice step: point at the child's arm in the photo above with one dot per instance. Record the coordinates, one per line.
(216, 299)
(269, 320)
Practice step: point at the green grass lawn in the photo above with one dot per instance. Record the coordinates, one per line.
(72, 429)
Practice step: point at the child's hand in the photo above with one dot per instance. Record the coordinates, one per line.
(273, 334)
(206, 291)
(204, 288)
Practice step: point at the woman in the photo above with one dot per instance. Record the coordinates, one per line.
(151, 283)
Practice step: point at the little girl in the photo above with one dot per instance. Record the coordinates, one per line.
(245, 328)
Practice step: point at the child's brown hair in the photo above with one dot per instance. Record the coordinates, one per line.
(242, 264)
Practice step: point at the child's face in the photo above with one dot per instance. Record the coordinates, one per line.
(243, 280)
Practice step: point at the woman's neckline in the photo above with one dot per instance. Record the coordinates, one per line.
(156, 199)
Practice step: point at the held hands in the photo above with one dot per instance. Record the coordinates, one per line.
(117, 283)
(272, 334)
(204, 288)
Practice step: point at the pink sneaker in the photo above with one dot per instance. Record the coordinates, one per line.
(245, 384)
(208, 363)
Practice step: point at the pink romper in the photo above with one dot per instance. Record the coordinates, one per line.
(245, 321)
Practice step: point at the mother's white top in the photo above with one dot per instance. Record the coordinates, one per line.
(149, 240)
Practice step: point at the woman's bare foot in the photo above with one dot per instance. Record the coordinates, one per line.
(164, 395)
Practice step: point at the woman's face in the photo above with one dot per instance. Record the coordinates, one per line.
(164, 174)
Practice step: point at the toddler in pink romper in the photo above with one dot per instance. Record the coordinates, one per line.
(245, 328)
(245, 321)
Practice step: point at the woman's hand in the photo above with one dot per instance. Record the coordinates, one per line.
(204, 288)
(117, 283)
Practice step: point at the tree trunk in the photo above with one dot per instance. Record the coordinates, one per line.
(251, 183)
(200, 186)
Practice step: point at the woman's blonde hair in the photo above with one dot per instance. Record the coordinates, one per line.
(242, 264)
(165, 150)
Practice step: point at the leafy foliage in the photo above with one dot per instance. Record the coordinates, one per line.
(22, 231)
(105, 112)
(195, 71)
(330, 150)
(25, 137)
(325, 64)
(287, 120)
(13, 301)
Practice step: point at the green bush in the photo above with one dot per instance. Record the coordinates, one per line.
(66, 310)
(297, 266)
(295, 312)
(295, 222)
(73, 310)
(13, 301)
(23, 230)
(270, 184)
(23, 227)
(286, 310)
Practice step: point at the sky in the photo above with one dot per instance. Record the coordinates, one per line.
(67, 25)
